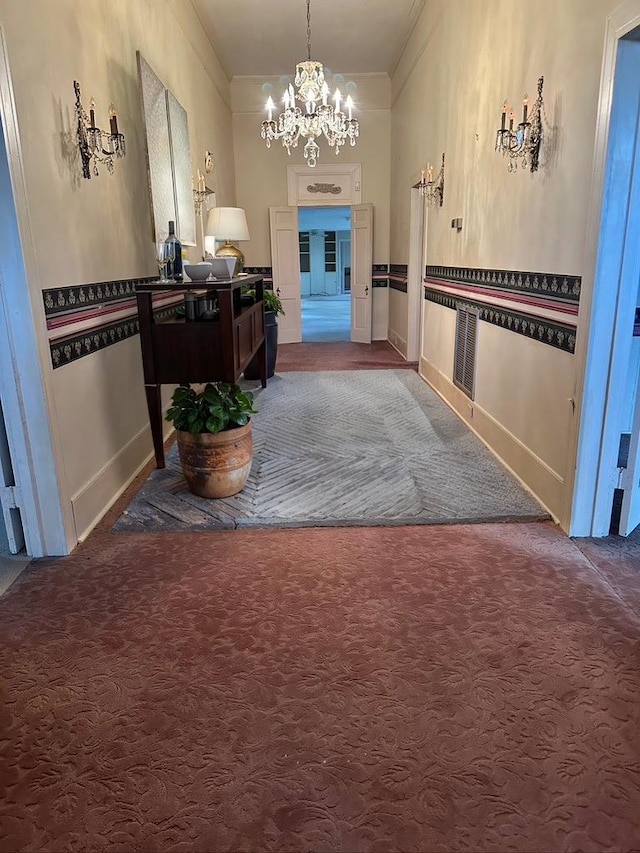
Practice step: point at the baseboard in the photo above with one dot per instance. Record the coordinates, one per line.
(531, 472)
(398, 343)
(91, 502)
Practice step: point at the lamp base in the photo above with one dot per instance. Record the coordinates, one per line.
(229, 251)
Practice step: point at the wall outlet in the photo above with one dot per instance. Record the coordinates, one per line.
(470, 410)
(457, 223)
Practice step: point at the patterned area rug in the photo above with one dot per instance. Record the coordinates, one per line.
(440, 689)
(345, 448)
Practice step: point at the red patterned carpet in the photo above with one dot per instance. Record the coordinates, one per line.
(471, 688)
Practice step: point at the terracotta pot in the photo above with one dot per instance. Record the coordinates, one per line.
(216, 466)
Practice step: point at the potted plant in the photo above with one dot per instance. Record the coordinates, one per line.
(214, 437)
(272, 307)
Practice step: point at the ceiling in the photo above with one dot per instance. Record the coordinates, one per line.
(268, 37)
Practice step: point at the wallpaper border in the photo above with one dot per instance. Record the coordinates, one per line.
(550, 285)
(545, 331)
(59, 300)
(66, 350)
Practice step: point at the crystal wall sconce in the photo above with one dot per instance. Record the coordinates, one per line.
(96, 145)
(521, 143)
(200, 193)
(432, 189)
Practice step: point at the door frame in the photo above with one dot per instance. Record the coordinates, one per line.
(591, 442)
(329, 203)
(26, 387)
(415, 273)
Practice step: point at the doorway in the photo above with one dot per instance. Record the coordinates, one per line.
(30, 475)
(606, 493)
(325, 273)
(356, 279)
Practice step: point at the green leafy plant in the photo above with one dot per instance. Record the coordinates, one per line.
(271, 299)
(219, 406)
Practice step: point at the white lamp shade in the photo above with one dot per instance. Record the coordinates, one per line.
(227, 223)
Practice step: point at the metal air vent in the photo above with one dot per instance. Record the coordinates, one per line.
(464, 359)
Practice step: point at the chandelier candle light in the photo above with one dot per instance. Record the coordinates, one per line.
(319, 117)
(522, 143)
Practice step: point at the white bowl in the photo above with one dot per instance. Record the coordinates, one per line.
(198, 272)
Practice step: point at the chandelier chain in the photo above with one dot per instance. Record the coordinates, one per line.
(309, 29)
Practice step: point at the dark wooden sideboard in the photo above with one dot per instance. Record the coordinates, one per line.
(177, 352)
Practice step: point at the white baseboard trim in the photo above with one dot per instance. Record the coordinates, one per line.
(398, 343)
(533, 473)
(96, 497)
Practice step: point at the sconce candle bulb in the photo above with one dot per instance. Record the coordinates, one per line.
(113, 121)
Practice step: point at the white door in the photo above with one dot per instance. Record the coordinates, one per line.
(627, 206)
(361, 269)
(285, 262)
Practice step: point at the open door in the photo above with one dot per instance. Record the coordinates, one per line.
(285, 262)
(361, 268)
(624, 350)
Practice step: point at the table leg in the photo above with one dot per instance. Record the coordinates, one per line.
(154, 405)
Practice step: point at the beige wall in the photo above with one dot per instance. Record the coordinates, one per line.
(398, 320)
(100, 229)
(261, 173)
(463, 59)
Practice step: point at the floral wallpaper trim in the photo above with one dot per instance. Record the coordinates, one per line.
(68, 349)
(58, 300)
(546, 332)
(550, 285)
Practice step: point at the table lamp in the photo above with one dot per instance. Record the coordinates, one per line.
(228, 223)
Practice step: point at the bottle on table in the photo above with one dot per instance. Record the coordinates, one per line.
(175, 267)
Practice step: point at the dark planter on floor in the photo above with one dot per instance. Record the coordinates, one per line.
(271, 336)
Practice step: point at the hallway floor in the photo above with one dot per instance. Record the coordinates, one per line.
(416, 689)
(411, 688)
(326, 318)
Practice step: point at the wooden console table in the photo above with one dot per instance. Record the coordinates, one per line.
(179, 352)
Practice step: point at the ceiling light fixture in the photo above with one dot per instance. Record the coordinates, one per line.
(318, 117)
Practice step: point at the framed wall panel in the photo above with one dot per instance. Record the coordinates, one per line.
(181, 163)
(168, 156)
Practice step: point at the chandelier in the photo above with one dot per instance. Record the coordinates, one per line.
(318, 118)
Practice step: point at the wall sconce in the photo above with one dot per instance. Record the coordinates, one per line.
(200, 193)
(97, 146)
(432, 189)
(522, 143)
